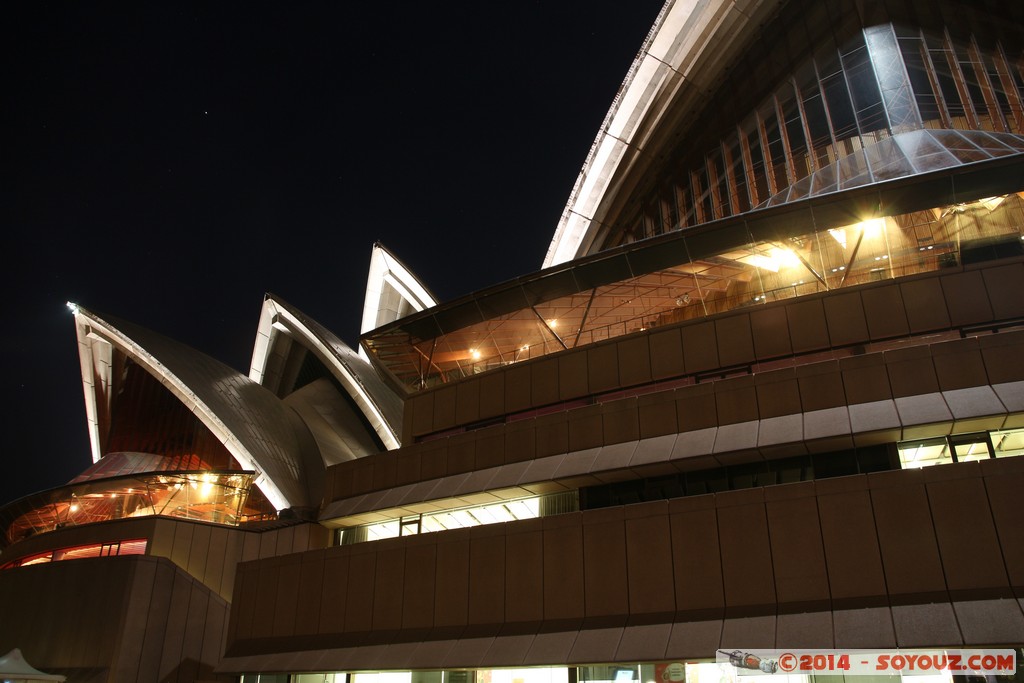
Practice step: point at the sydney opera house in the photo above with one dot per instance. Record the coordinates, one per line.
(765, 391)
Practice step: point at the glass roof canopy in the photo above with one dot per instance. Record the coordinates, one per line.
(913, 203)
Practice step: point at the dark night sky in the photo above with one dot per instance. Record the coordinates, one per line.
(169, 164)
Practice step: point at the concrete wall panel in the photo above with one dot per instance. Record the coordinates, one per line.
(602, 367)
(735, 340)
(807, 328)
(666, 354)
(604, 562)
(925, 305)
(770, 328)
(634, 358)
(884, 312)
(572, 375)
(700, 347)
(844, 315)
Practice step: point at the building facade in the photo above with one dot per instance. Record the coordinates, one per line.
(766, 392)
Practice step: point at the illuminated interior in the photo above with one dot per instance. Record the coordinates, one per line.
(128, 547)
(424, 351)
(640, 672)
(462, 517)
(217, 497)
(961, 448)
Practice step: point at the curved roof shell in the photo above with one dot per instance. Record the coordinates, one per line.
(256, 428)
(687, 49)
(379, 404)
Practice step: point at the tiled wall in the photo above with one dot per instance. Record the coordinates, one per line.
(903, 558)
(207, 552)
(944, 300)
(881, 397)
(133, 618)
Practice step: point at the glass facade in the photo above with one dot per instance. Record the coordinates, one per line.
(126, 547)
(691, 671)
(709, 273)
(818, 131)
(207, 496)
(462, 517)
(961, 448)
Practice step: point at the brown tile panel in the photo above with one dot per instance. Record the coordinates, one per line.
(666, 354)
(649, 553)
(968, 544)
(563, 568)
(420, 581)
(310, 594)
(585, 428)
(388, 593)
(524, 571)
(958, 364)
(925, 305)
(1001, 354)
(544, 381)
(657, 414)
(461, 454)
(467, 401)
(433, 460)
(865, 378)
(798, 556)
(966, 298)
(807, 328)
(906, 535)
(603, 367)
(761, 558)
(1004, 285)
(876, 312)
(422, 408)
(634, 359)
(695, 407)
(490, 447)
(844, 315)
(487, 577)
(821, 386)
(361, 472)
(335, 591)
(604, 563)
(911, 371)
(517, 388)
(620, 421)
(746, 558)
(407, 465)
(735, 340)
(451, 599)
(1004, 496)
(572, 375)
(778, 393)
(770, 328)
(444, 408)
(700, 347)
(884, 312)
(552, 435)
(850, 541)
(384, 470)
(696, 558)
(492, 394)
(521, 441)
(362, 568)
(736, 400)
